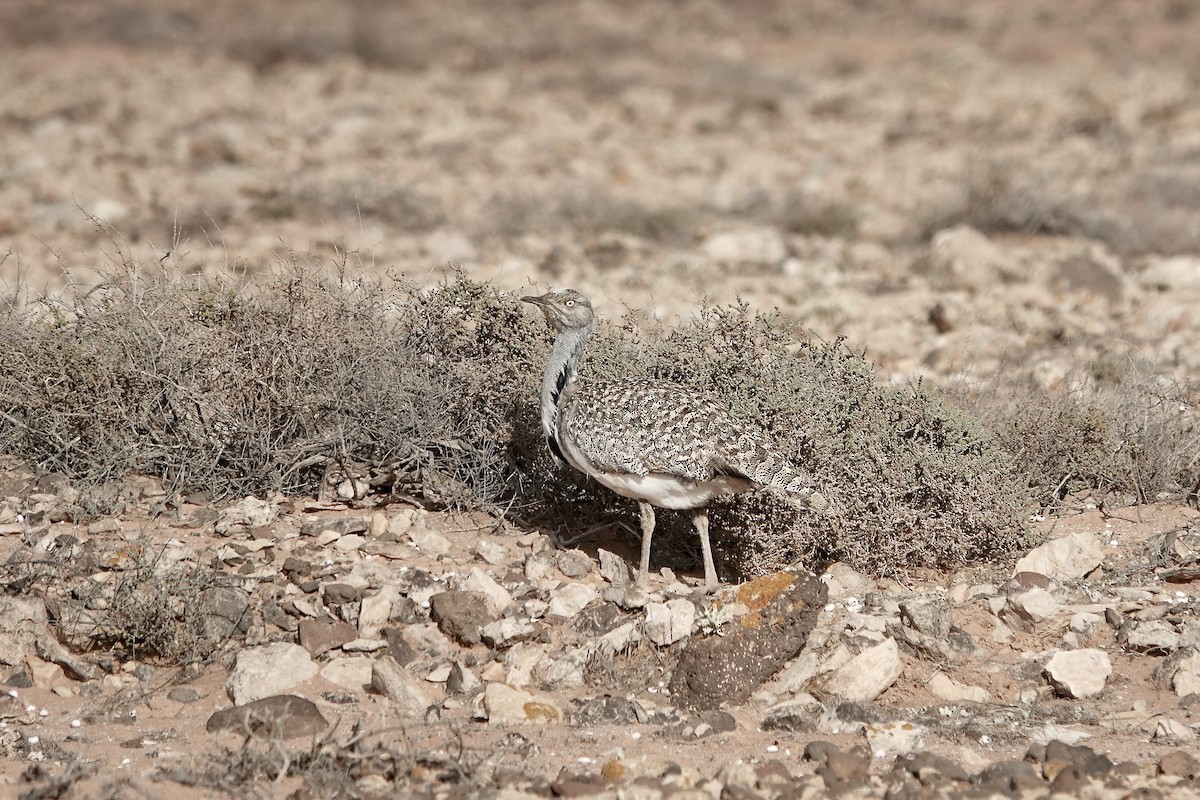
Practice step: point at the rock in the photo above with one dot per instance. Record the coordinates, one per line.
(1025, 609)
(226, 611)
(506, 632)
(401, 522)
(927, 615)
(705, 724)
(341, 525)
(247, 513)
(1186, 677)
(1092, 270)
(318, 636)
(1179, 763)
(1068, 558)
(461, 615)
(1085, 623)
(593, 711)
(845, 582)
(867, 675)
(45, 675)
(964, 258)
(375, 612)
(837, 768)
(667, 623)
(929, 767)
(1156, 637)
(895, 737)
(502, 704)
(718, 670)
(498, 597)
(1172, 730)
(568, 600)
(268, 670)
(462, 680)
(751, 245)
(1175, 273)
(1057, 755)
(1078, 673)
(428, 539)
(613, 568)
(184, 694)
(278, 717)
(1009, 776)
(794, 717)
(573, 564)
(520, 661)
(349, 673)
(949, 689)
(399, 685)
(491, 552)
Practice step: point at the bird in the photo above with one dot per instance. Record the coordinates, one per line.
(663, 444)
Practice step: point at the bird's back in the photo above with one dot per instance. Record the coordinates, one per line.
(639, 426)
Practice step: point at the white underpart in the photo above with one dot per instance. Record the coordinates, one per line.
(670, 491)
(657, 488)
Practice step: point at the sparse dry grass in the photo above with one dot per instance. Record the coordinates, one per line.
(239, 389)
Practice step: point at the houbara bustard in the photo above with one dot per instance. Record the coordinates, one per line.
(662, 444)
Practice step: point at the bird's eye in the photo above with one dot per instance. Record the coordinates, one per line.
(570, 303)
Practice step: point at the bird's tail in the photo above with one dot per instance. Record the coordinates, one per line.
(774, 471)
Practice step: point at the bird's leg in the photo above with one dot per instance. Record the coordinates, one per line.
(647, 512)
(700, 521)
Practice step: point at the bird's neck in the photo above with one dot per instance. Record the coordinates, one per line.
(562, 370)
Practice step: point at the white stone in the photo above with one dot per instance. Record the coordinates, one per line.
(1067, 558)
(1029, 607)
(895, 737)
(867, 675)
(667, 623)
(1079, 673)
(844, 581)
(375, 611)
(949, 689)
(350, 673)
(268, 670)
(1186, 679)
(503, 631)
(399, 685)
(520, 662)
(502, 704)
(428, 539)
(569, 599)
(402, 521)
(489, 551)
(1086, 623)
(1173, 730)
(250, 512)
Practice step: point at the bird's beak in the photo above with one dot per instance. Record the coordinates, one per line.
(537, 301)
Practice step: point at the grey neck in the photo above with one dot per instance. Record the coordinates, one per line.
(562, 370)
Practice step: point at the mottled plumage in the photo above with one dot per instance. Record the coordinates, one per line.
(663, 444)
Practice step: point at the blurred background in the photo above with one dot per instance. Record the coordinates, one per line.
(956, 187)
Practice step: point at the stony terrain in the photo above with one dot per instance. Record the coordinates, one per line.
(387, 648)
(964, 190)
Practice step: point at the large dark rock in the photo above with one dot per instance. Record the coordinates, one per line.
(725, 670)
(284, 715)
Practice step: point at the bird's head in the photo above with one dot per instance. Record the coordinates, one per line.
(564, 309)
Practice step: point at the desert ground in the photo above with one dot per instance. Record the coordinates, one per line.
(968, 193)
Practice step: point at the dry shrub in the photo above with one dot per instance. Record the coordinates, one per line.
(914, 480)
(433, 394)
(237, 390)
(1108, 429)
